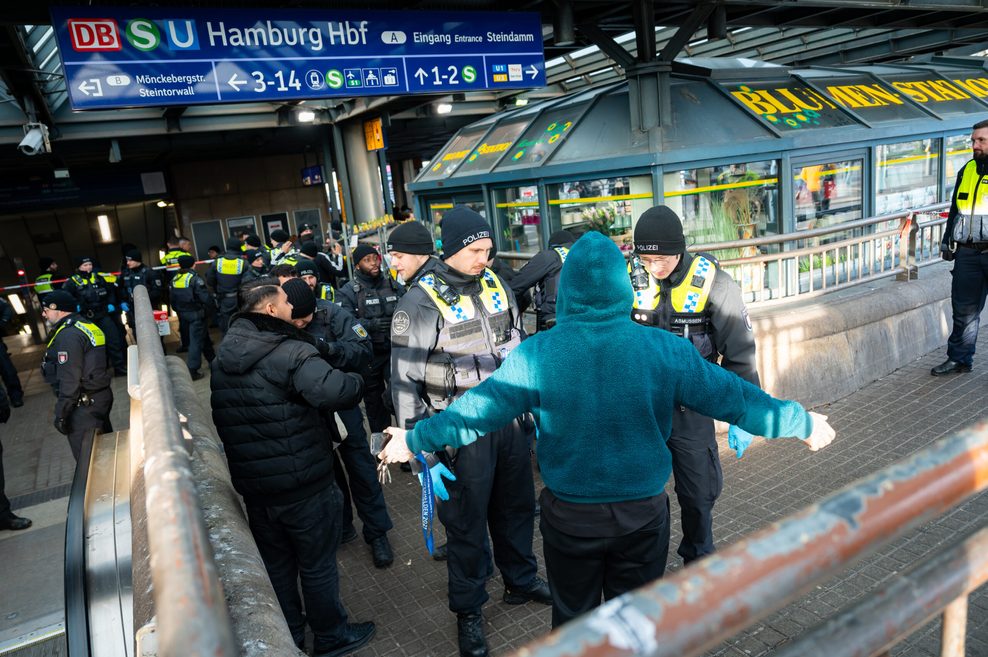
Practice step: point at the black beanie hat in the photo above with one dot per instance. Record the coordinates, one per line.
(233, 244)
(278, 235)
(80, 261)
(134, 254)
(254, 241)
(61, 300)
(361, 252)
(462, 226)
(310, 249)
(253, 255)
(659, 231)
(186, 261)
(561, 238)
(306, 267)
(45, 263)
(300, 296)
(411, 237)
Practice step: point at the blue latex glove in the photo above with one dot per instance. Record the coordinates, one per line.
(110, 307)
(125, 307)
(738, 439)
(436, 473)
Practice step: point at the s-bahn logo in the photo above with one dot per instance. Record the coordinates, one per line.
(103, 34)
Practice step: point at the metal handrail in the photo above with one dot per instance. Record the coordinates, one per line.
(702, 605)
(191, 610)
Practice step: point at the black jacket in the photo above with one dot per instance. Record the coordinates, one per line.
(372, 301)
(542, 271)
(143, 275)
(340, 338)
(269, 386)
(74, 362)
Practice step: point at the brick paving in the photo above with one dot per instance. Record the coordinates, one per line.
(889, 419)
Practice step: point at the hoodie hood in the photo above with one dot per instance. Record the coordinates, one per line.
(251, 337)
(594, 284)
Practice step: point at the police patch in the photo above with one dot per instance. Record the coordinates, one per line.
(400, 323)
(63, 357)
(747, 320)
(359, 330)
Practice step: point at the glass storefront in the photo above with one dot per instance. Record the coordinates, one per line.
(727, 202)
(440, 206)
(906, 175)
(519, 222)
(606, 205)
(827, 193)
(958, 150)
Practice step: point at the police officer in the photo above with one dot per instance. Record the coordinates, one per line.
(253, 242)
(542, 271)
(451, 330)
(75, 366)
(965, 242)
(258, 268)
(410, 249)
(95, 297)
(372, 298)
(170, 261)
(191, 300)
(137, 273)
(43, 283)
(15, 391)
(692, 297)
(282, 249)
(224, 277)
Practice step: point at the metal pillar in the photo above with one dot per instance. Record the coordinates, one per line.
(342, 174)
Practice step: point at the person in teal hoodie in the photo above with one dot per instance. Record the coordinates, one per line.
(602, 390)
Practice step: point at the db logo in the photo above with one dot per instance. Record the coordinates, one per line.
(94, 34)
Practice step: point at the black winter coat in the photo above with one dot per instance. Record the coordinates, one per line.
(269, 386)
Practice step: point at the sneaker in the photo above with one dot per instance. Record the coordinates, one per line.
(15, 523)
(538, 591)
(381, 552)
(356, 635)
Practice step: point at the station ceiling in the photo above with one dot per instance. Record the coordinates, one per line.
(601, 46)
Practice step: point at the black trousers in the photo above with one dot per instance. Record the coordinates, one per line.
(376, 392)
(356, 475)
(494, 490)
(968, 288)
(9, 375)
(298, 542)
(226, 306)
(200, 344)
(699, 480)
(5, 511)
(115, 348)
(581, 570)
(86, 418)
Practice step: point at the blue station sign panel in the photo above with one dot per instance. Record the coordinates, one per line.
(116, 57)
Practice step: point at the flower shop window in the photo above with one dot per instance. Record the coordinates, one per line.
(519, 222)
(606, 205)
(907, 175)
(958, 150)
(725, 203)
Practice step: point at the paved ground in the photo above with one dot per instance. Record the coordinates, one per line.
(889, 419)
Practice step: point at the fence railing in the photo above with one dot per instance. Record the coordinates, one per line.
(704, 604)
(191, 611)
(808, 263)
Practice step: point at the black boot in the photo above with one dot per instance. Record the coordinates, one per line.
(470, 635)
(950, 367)
(381, 552)
(537, 591)
(356, 635)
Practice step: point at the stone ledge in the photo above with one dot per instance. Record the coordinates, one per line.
(820, 350)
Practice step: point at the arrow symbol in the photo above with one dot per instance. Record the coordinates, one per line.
(95, 89)
(236, 82)
(421, 75)
(533, 71)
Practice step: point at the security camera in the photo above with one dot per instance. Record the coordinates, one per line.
(35, 139)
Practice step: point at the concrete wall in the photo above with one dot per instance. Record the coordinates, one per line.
(221, 189)
(819, 351)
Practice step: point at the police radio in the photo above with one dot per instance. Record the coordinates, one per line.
(446, 293)
(639, 275)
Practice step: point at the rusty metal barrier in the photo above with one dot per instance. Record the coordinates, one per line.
(192, 617)
(702, 605)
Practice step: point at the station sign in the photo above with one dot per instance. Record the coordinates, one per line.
(117, 57)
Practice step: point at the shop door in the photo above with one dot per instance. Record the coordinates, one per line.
(272, 222)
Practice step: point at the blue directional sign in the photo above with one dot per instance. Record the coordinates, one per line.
(118, 57)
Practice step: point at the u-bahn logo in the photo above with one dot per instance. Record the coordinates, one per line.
(103, 34)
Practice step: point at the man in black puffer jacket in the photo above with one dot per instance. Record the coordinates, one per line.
(269, 387)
